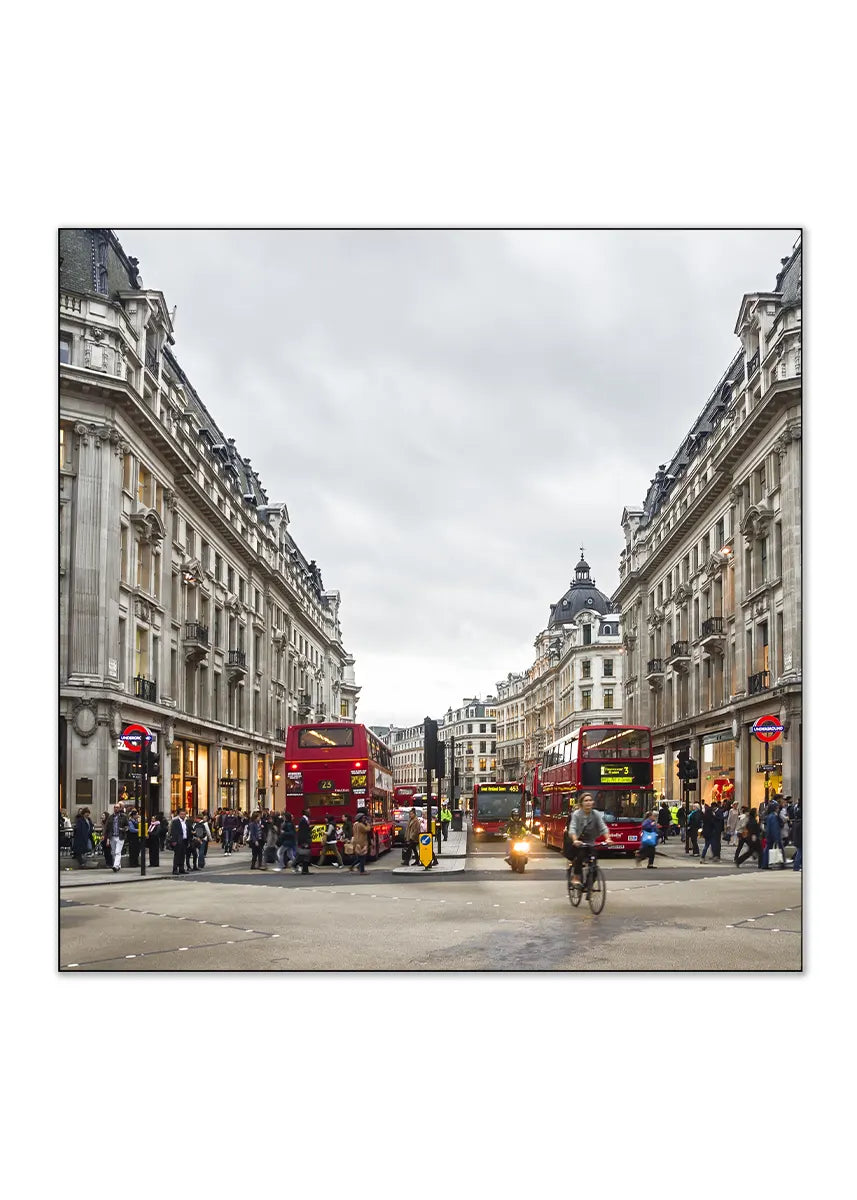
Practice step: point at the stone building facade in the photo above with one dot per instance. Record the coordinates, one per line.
(185, 604)
(576, 678)
(710, 576)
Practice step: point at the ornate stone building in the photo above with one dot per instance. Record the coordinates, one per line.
(710, 577)
(575, 678)
(185, 604)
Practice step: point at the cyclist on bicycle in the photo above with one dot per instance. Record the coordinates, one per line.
(584, 825)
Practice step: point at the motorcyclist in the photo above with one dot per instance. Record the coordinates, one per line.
(514, 831)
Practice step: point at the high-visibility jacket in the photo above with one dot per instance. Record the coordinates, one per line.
(445, 814)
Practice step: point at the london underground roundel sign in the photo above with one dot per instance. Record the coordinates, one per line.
(135, 737)
(767, 729)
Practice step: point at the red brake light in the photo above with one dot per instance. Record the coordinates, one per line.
(357, 764)
(294, 766)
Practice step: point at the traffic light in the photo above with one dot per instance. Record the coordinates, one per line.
(457, 779)
(430, 744)
(681, 766)
(686, 767)
(440, 760)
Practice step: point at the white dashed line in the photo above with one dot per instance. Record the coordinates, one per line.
(182, 947)
(72, 964)
(130, 955)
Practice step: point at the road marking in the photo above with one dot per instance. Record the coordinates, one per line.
(72, 964)
(130, 955)
(183, 947)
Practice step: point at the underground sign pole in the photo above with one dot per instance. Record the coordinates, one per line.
(137, 739)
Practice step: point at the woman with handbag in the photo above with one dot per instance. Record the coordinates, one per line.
(648, 842)
(774, 837)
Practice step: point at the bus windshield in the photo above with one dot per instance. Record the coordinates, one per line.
(315, 739)
(618, 806)
(497, 805)
(615, 743)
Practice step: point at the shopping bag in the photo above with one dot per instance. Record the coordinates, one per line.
(649, 838)
(775, 857)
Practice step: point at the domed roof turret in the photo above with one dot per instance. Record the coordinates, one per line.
(581, 596)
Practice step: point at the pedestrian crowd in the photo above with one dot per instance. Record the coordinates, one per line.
(762, 835)
(273, 838)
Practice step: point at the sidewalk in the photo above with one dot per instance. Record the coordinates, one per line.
(96, 874)
(451, 858)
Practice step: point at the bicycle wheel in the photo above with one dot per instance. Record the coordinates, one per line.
(574, 893)
(597, 894)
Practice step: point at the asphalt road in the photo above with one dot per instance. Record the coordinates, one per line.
(486, 919)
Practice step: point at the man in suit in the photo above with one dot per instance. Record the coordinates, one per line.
(179, 839)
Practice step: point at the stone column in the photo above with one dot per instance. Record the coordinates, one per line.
(788, 448)
(93, 565)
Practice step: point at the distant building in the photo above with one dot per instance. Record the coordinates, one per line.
(576, 678)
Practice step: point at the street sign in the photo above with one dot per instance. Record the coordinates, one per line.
(135, 737)
(767, 729)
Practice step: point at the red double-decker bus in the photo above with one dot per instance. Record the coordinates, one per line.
(614, 764)
(335, 770)
(493, 804)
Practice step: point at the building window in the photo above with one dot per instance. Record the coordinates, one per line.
(720, 534)
(65, 347)
(608, 666)
(144, 487)
(101, 267)
(608, 697)
(343, 708)
(586, 669)
(483, 764)
(218, 567)
(587, 635)
(586, 700)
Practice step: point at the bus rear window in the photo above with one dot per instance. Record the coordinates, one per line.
(324, 739)
(616, 743)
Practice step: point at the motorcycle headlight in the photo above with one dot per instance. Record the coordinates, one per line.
(521, 847)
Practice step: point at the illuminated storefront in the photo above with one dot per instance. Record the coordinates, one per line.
(189, 777)
(717, 766)
(766, 770)
(234, 780)
(659, 772)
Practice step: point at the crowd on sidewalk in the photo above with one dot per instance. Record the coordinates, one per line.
(763, 835)
(273, 839)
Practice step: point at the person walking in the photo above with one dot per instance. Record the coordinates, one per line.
(117, 831)
(773, 837)
(694, 821)
(178, 840)
(651, 831)
(708, 831)
(201, 837)
(304, 841)
(751, 842)
(797, 836)
(82, 836)
(329, 846)
(270, 834)
(664, 822)
(732, 822)
(153, 840)
(133, 837)
(287, 849)
(412, 838)
(361, 842)
(254, 837)
(163, 831)
(445, 821)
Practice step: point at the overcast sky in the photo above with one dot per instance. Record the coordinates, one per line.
(450, 416)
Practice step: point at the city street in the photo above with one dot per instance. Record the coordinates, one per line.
(482, 919)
